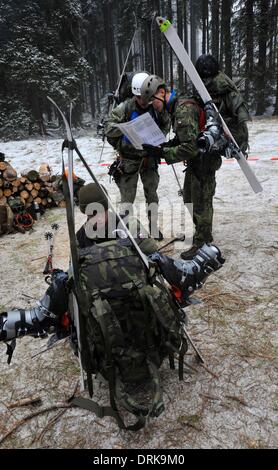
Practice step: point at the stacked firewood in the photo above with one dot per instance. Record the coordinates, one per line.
(30, 187)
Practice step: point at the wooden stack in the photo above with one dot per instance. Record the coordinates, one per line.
(31, 187)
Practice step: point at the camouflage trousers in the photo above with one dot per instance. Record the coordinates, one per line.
(128, 181)
(200, 193)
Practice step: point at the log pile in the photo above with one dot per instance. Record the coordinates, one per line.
(30, 187)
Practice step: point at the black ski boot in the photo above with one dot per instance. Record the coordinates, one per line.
(189, 254)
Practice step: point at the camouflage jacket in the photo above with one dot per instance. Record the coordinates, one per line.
(123, 113)
(232, 106)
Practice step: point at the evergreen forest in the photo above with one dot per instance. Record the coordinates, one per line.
(75, 51)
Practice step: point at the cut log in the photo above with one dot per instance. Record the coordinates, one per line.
(3, 201)
(10, 174)
(1, 193)
(38, 200)
(43, 193)
(7, 192)
(62, 204)
(17, 182)
(1, 182)
(34, 193)
(23, 179)
(44, 202)
(3, 166)
(30, 199)
(32, 175)
(29, 187)
(24, 194)
(37, 186)
(50, 190)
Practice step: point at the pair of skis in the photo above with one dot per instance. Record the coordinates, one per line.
(173, 39)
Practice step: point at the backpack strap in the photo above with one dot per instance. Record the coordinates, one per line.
(102, 411)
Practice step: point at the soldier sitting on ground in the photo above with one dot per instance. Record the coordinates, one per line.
(132, 318)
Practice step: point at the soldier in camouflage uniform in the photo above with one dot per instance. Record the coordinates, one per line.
(199, 183)
(188, 119)
(134, 161)
(226, 97)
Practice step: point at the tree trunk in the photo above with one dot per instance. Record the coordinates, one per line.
(215, 28)
(261, 67)
(185, 35)
(180, 33)
(249, 62)
(193, 31)
(169, 15)
(109, 44)
(157, 41)
(226, 14)
(204, 26)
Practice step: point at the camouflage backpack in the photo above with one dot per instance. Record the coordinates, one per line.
(131, 325)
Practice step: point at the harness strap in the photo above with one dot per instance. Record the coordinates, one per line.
(102, 411)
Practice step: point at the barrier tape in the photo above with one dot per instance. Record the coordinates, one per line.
(250, 159)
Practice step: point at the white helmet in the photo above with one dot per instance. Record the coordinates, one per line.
(137, 82)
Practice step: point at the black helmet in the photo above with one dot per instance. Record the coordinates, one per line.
(207, 66)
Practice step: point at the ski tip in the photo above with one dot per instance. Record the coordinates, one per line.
(163, 23)
(50, 99)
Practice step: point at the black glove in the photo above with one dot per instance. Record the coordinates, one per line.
(153, 152)
(171, 143)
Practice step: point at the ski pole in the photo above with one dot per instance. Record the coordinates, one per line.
(180, 192)
(178, 238)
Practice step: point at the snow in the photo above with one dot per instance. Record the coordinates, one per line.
(234, 405)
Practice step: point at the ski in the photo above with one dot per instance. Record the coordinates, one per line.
(172, 37)
(68, 183)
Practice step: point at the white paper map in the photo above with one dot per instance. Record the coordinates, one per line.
(142, 130)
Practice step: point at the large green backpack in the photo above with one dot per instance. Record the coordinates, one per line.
(131, 325)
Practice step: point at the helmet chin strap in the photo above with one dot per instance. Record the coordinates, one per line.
(163, 100)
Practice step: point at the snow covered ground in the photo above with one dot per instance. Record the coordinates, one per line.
(232, 404)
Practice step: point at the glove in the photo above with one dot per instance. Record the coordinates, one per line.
(205, 142)
(153, 152)
(171, 143)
